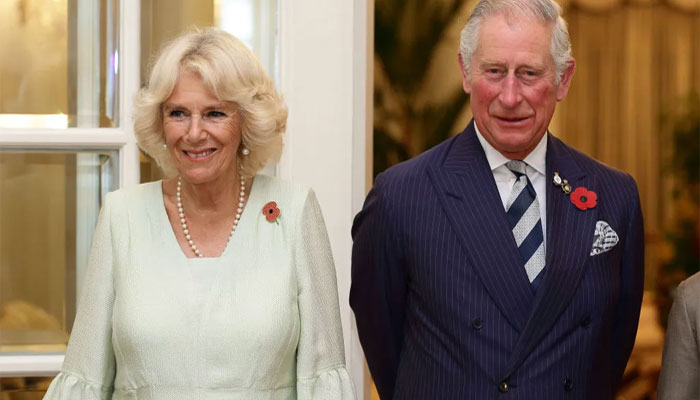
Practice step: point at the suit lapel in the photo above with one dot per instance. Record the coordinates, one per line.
(470, 198)
(569, 240)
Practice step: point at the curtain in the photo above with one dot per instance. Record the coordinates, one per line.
(636, 63)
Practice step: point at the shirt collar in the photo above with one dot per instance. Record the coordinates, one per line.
(536, 159)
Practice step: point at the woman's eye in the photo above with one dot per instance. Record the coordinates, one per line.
(176, 114)
(215, 114)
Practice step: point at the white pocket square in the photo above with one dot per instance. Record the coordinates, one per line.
(604, 239)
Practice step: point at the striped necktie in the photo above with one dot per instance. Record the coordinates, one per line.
(523, 213)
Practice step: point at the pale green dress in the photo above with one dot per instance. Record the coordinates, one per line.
(259, 322)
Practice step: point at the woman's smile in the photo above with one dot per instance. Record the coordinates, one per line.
(199, 155)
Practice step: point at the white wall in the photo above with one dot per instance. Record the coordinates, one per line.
(326, 81)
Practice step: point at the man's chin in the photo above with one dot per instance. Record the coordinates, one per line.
(515, 145)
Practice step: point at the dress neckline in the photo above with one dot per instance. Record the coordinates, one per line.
(233, 243)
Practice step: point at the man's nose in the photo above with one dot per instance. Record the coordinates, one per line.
(510, 91)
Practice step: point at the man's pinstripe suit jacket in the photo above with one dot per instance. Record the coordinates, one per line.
(443, 306)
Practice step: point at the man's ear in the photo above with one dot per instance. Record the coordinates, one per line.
(466, 82)
(563, 87)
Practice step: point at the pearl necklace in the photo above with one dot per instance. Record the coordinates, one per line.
(183, 221)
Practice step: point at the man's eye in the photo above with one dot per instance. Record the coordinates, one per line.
(494, 72)
(529, 74)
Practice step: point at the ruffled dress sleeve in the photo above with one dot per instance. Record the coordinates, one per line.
(89, 366)
(321, 372)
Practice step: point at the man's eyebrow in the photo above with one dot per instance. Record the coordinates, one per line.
(490, 63)
(536, 67)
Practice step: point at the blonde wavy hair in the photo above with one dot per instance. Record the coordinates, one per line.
(233, 74)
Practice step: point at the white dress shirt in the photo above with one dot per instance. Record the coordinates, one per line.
(505, 179)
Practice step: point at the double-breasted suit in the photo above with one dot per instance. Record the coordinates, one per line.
(444, 307)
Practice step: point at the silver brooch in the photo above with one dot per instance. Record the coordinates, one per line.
(562, 183)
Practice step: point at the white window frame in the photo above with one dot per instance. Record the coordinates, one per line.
(119, 139)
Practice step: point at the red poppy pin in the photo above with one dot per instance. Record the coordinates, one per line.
(583, 198)
(271, 212)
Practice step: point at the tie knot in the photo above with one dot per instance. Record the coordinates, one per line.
(517, 167)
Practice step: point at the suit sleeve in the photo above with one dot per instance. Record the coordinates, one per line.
(378, 291)
(632, 289)
(680, 367)
(89, 367)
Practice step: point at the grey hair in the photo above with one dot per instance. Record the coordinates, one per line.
(545, 11)
(232, 72)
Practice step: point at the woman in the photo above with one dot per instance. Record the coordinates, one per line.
(216, 283)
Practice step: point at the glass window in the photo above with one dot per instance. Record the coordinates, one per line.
(59, 64)
(30, 388)
(49, 203)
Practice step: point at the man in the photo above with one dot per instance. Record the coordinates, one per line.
(501, 262)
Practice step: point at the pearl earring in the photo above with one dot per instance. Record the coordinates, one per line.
(245, 151)
(165, 145)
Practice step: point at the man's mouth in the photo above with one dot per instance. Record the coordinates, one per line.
(513, 119)
(199, 154)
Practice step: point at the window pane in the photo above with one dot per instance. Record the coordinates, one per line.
(49, 202)
(252, 21)
(59, 63)
(24, 388)
(150, 171)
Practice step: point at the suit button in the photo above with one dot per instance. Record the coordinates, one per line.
(568, 385)
(585, 322)
(503, 387)
(477, 323)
